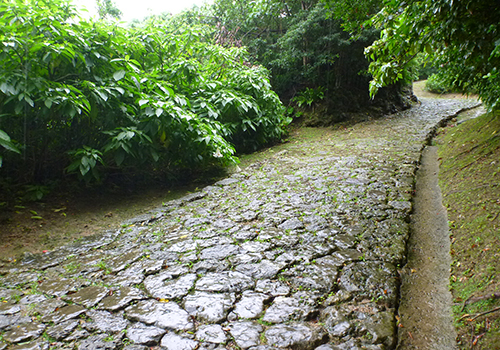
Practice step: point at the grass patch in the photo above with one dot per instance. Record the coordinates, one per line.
(470, 182)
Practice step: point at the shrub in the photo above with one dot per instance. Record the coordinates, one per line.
(438, 85)
(91, 97)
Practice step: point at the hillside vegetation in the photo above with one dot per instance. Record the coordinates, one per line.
(469, 179)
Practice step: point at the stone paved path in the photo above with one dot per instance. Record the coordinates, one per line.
(300, 251)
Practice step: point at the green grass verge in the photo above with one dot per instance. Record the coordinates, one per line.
(470, 182)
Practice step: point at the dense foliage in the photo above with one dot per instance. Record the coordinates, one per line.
(353, 13)
(462, 38)
(438, 85)
(316, 52)
(304, 48)
(89, 97)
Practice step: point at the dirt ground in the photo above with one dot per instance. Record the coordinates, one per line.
(63, 217)
(58, 219)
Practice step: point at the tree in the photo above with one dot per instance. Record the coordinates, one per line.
(107, 9)
(353, 13)
(461, 37)
(315, 52)
(307, 51)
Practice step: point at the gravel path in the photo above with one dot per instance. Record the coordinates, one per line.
(299, 251)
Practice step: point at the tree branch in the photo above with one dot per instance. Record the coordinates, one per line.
(485, 313)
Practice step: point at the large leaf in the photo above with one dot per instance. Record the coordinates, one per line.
(118, 75)
(6, 143)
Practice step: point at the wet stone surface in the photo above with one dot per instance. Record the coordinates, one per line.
(167, 315)
(300, 250)
(148, 335)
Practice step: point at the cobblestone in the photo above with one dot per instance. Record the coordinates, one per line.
(300, 250)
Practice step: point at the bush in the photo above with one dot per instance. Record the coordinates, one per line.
(309, 96)
(438, 85)
(91, 97)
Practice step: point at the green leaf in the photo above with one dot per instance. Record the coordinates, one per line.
(121, 136)
(73, 166)
(7, 144)
(4, 136)
(118, 75)
(102, 95)
(7, 88)
(126, 148)
(137, 84)
(428, 49)
(119, 157)
(84, 169)
(155, 155)
(84, 161)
